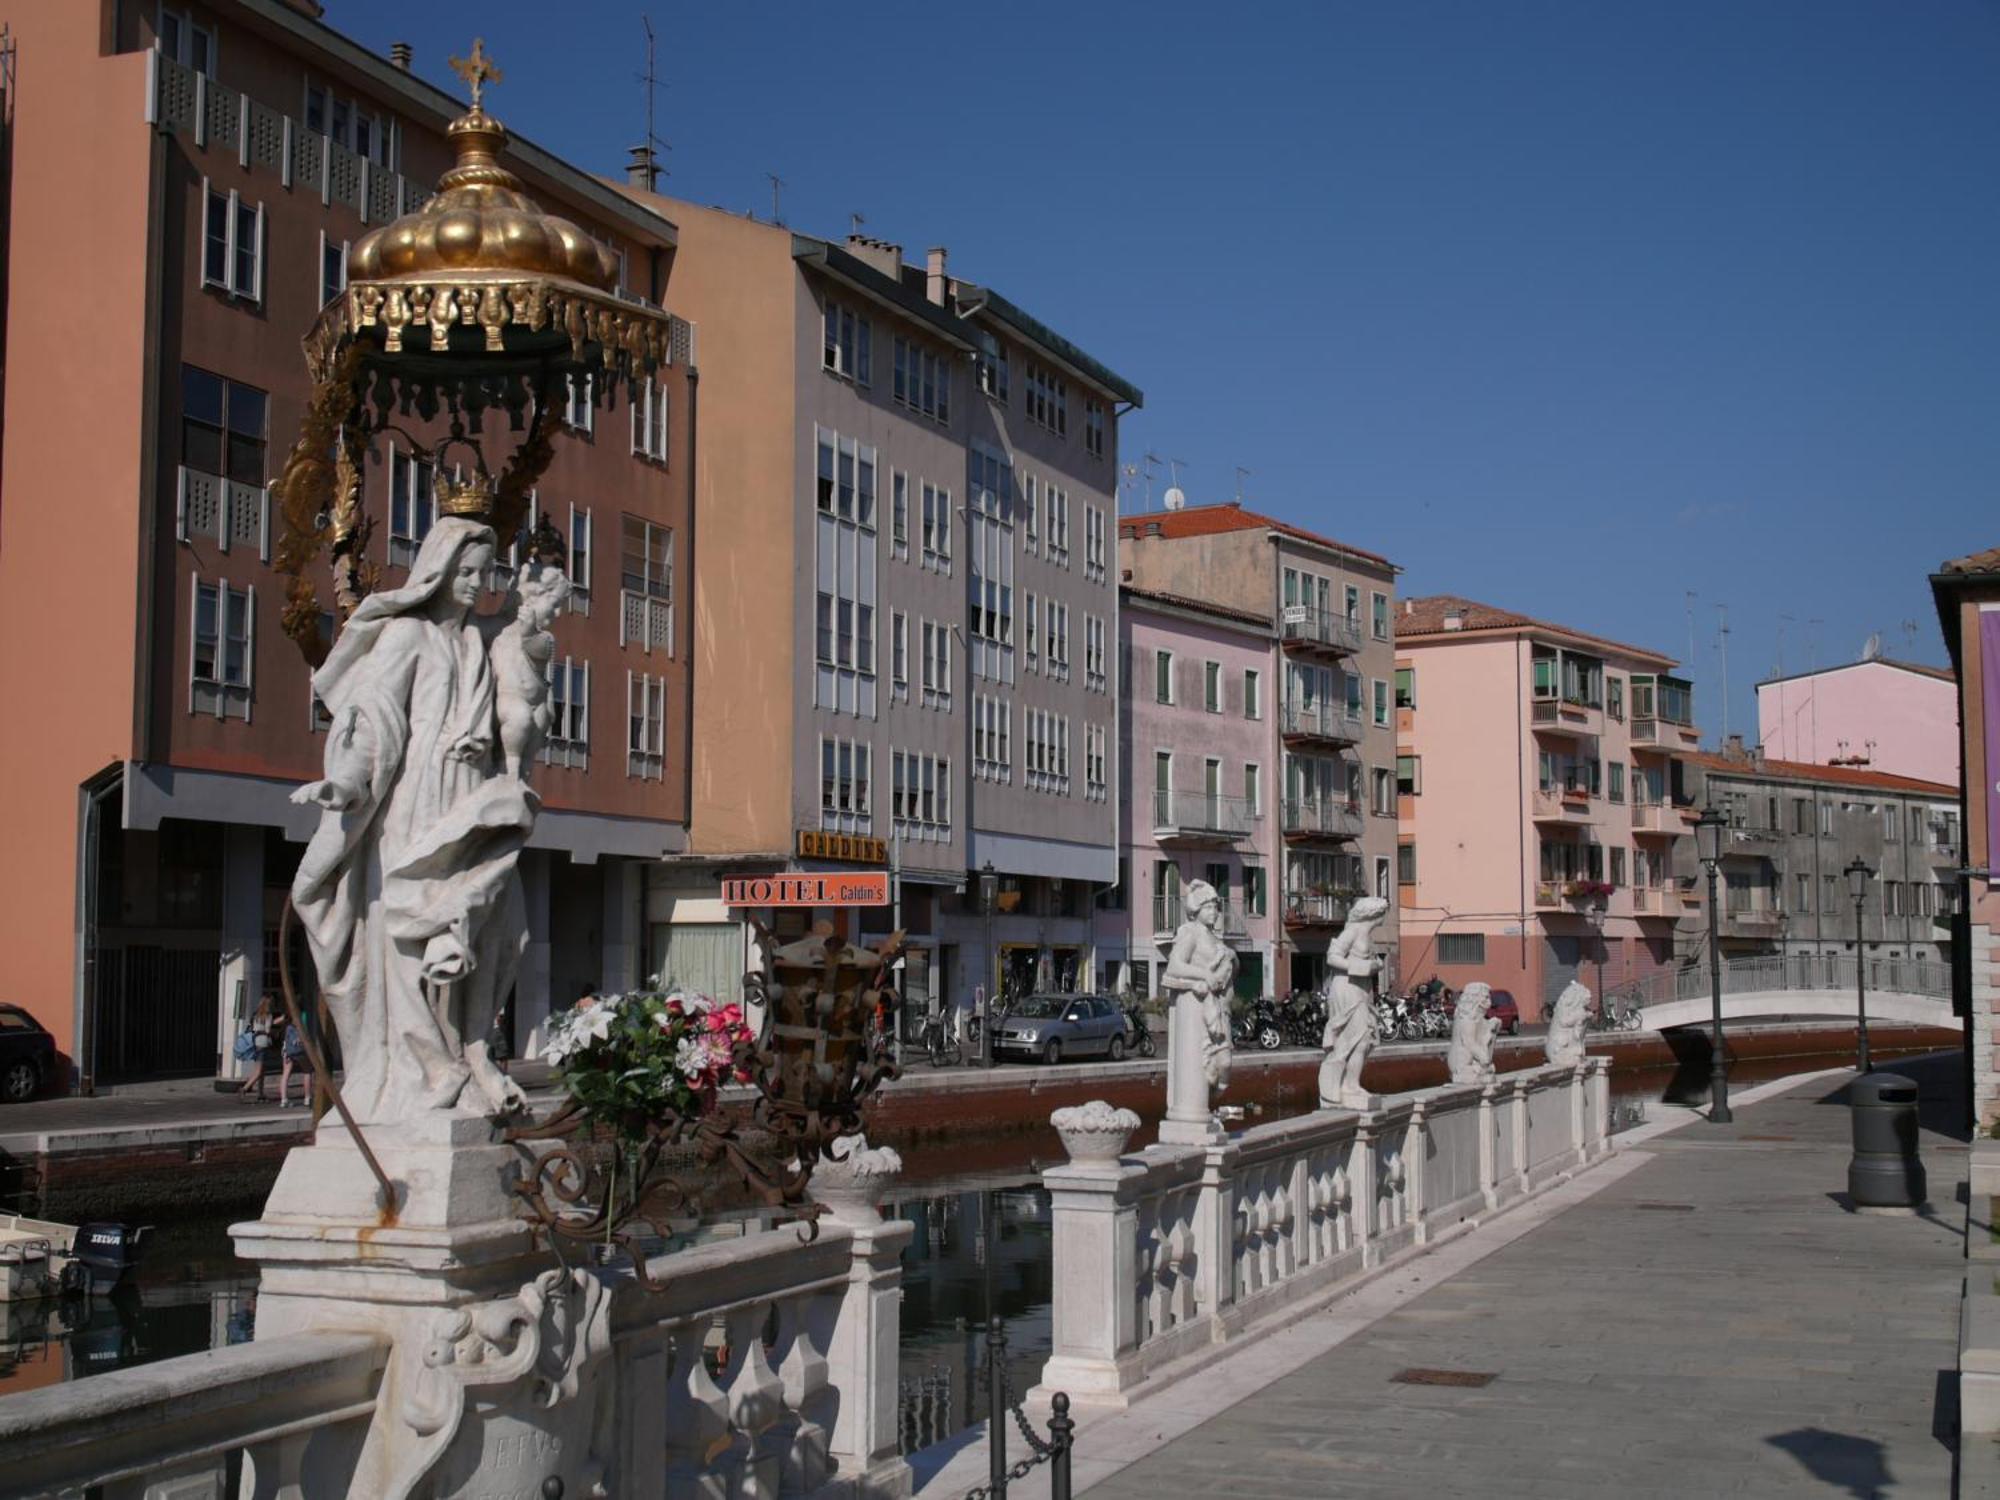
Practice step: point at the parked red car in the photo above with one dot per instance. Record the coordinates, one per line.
(27, 1055)
(1506, 1012)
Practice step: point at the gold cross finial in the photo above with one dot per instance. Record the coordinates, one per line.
(477, 70)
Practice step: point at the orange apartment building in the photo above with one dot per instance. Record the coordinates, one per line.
(1538, 810)
(182, 183)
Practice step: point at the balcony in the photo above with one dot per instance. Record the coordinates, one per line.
(1562, 805)
(1321, 721)
(1754, 840)
(1753, 921)
(1577, 896)
(1561, 716)
(1323, 819)
(1655, 901)
(1658, 817)
(1317, 908)
(1199, 818)
(1663, 735)
(1944, 854)
(1319, 631)
(1169, 912)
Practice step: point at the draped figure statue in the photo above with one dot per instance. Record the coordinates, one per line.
(409, 891)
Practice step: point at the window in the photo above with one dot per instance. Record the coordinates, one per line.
(1352, 606)
(1354, 696)
(1382, 792)
(937, 665)
(1804, 894)
(1381, 689)
(579, 559)
(992, 752)
(1094, 676)
(844, 791)
(580, 408)
(332, 268)
(1093, 427)
(1211, 686)
(1801, 817)
(1056, 500)
(1461, 947)
(1617, 865)
(1889, 830)
(646, 734)
(1093, 543)
(993, 371)
(920, 795)
(1379, 615)
(221, 650)
(1096, 766)
(349, 123)
(649, 421)
(899, 654)
(1031, 513)
(848, 350)
(846, 479)
(1406, 687)
(1256, 891)
(937, 529)
(1614, 697)
(232, 256)
(899, 513)
(189, 44)
(1826, 893)
(1617, 772)
(568, 742)
(646, 582)
(1382, 881)
(1253, 703)
(1163, 677)
(1825, 819)
(1047, 738)
(1891, 898)
(1253, 789)
(1409, 775)
(1406, 864)
(1058, 628)
(923, 380)
(1048, 400)
(222, 426)
(411, 505)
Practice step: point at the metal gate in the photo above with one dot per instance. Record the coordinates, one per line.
(156, 1012)
(1562, 958)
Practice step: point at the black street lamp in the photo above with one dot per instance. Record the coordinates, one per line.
(989, 891)
(1708, 830)
(1858, 876)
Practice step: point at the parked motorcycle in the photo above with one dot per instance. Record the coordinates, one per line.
(1139, 1030)
(1303, 1018)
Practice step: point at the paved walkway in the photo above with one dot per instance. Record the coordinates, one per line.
(1709, 1321)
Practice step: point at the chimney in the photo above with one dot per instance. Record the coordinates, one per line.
(1409, 606)
(1454, 619)
(934, 277)
(1732, 748)
(641, 170)
(1154, 528)
(883, 256)
(399, 56)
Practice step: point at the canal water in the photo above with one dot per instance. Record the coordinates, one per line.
(981, 1247)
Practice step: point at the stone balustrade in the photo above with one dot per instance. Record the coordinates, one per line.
(1166, 1255)
(759, 1365)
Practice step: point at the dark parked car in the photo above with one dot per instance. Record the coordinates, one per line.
(27, 1055)
(1052, 1027)
(1506, 1012)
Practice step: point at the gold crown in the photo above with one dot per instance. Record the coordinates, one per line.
(472, 498)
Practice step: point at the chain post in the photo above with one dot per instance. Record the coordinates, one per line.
(996, 1402)
(1060, 1428)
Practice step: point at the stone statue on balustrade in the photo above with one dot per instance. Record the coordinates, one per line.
(1353, 964)
(409, 891)
(1203, 968)
(1566, 1024)
(1470, 1055)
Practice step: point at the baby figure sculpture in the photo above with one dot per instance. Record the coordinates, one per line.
(522, 652)
(1566, 1023)
(1352, 964)
(1203, 967)
(1470, 1055)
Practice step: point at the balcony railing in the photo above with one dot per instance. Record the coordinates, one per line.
(1320, 721)
(1657, 817)
(1655, 901)
(1326, 818)
(1316, 908)
(1663, 734)
(1198, 815)
(1169, 911)
(1753, 919)
(1561, 716)
(1304, 625)
(1562, 804)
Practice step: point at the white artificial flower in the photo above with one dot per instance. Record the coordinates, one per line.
(691, 1058)
(694, 1003)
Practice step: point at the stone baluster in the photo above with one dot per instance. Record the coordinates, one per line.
(805, 1328)
(1600, 1105)
(861, 1358)
(1214, 1229)
(1415, 1200)
(643, 1372)
(1489, 1146)
(756, 1401)
(696, 1422)
(1517, 1102)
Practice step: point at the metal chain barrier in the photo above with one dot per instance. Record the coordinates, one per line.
(1055, 1452)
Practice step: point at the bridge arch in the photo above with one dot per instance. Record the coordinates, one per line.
(1910, 990)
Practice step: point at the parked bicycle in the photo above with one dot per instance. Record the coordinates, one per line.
(1139, 1029)
(940, 1041)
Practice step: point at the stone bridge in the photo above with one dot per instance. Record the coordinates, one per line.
(1798, 984)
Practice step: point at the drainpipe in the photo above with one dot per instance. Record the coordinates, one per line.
(83, 1023)
(687, 731)
(149, 463)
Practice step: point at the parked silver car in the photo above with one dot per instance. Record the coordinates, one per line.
(1052, 1027)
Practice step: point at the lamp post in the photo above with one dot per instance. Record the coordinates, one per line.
(1708, 843)
(1858, 876)
(989, 890)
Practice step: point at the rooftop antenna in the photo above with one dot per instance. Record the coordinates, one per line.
(1909, 637)
(1722, 650)
(1152, 461)
(1784, 723)
(777, 189)
(1175, 497)
(1812, 665)
(651, 79)
(855, 221)
(1690, 606)
(1241, 475)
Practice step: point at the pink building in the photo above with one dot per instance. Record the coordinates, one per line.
(1892, 716)
(1198, 751)
(1537, 817)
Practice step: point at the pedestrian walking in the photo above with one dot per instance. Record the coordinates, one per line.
(294, 1049)
(259, 1042)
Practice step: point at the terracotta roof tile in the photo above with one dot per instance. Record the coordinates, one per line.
(1210, 520)
(1425, 617)
(1975, 562)
(1857, 776)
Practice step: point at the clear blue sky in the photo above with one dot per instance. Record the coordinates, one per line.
(1566, 305)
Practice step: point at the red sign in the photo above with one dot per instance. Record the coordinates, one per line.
(856, 888)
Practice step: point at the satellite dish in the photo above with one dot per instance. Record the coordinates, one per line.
(1871, 649)
(1175, 498)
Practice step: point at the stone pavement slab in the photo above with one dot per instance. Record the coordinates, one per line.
(1713, 1321)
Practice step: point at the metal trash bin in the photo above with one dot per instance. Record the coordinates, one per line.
(1885, 1171)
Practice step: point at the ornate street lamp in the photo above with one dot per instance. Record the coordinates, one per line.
(989, 893)
(1708, 831)
(1858, 876)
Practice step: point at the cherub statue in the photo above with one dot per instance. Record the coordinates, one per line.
(522, 651)
(1470, 1055)
(1204, 967)
(1352, 966)
(1566, 1023)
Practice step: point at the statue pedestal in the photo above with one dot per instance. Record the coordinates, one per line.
(1188, 1122)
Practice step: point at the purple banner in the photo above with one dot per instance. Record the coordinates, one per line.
(1989, 689)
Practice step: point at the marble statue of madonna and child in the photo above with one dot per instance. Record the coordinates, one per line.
(409, 891)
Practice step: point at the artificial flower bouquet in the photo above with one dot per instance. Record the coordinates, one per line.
(633, 1063)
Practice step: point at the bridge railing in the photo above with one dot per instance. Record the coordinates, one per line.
(1164, 1255)
(1766, 973)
